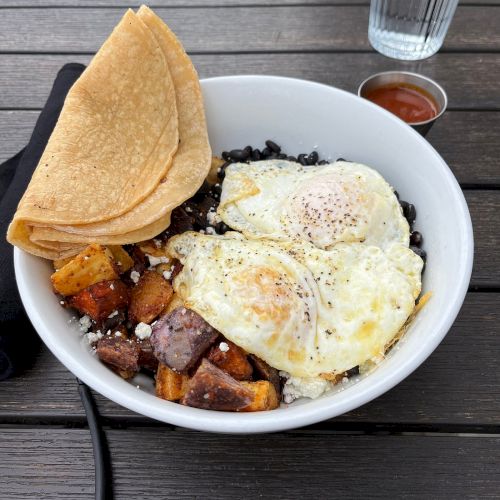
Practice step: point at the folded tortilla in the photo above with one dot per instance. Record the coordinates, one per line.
(186, 172)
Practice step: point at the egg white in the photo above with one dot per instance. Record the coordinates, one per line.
(323, 204)
(302, 309)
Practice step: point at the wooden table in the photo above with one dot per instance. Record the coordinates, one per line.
(436, 435)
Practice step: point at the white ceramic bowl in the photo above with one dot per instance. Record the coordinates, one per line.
(300, 116)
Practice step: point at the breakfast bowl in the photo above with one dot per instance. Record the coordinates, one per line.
(300, 116)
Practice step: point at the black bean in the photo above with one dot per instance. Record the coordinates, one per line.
(249, 151)
(291, 158)
(238, 154)
(256, 155)
(396, 194)
(302, 159)
(225, 155)
(221, 228)
(420, 252)
(272, 156)
(282, 156)
(404, 205)
(341, 159)
(221, 174)
(416, 239)
(312, 159)
(266, 152)
(352, 372)
(273, 146)
(410, 213)
(323, 162)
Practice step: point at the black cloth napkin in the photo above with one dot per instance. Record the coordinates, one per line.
(18, 341)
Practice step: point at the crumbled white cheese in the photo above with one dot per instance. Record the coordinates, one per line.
(62, 302)
(206, 395)
(154, 261)
(113, 314)
(157, 242)
(167, 274)
(86, 257)
(112, 286)
(134, 276)
(85, 323)
(213, 218)
(118, 334)
(93, 337)
(223, 347)
(210, 230)
(307, 387)
(143, 331)
(189, 209)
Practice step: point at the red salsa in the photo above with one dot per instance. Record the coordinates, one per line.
(409, 102)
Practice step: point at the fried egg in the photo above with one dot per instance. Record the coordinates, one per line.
(323, 204)
(303, 310)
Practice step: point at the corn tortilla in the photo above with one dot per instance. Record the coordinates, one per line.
(114, 141)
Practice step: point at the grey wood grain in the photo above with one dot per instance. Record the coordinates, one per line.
(57, 463)
(458, 385)
(471, 80)
(198, 3)
(471, 165)
(289, 28)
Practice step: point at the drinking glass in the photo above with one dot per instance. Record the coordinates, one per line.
(409, 29)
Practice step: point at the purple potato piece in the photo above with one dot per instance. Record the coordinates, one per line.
(180, 338)
(147, 359)
(213, 389)
(119, 352)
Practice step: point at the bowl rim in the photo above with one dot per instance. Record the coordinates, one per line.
(292, 417)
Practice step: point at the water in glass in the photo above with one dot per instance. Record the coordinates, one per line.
(409, 29)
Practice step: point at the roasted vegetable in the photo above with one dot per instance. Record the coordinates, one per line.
(121, 257)
(265, 372)
(213, 389)
(170, 385)
(147, 359)
(101, 299)
(92, 265)
(149, 297)
(61, 262)
(180, 338)
(265, 396)
(118, 352)
(232, 360)
(174, 303)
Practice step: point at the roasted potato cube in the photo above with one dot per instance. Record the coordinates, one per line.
(265, 397)
(122, 258)
(155, 248)
(92, 265)
(212, 389)
(174, 303)
(147, 359)
(101, 299)
(170, 385)
(149, 297)
(118, 352)
(61, 262)
(265, 372)
(214, 167)
(232, 360)
(180, 338)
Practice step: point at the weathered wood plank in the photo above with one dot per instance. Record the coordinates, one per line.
(197, 3)
(318, 27)
(458, 385)
(471, 165)
(470, 80)
(178, 464)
